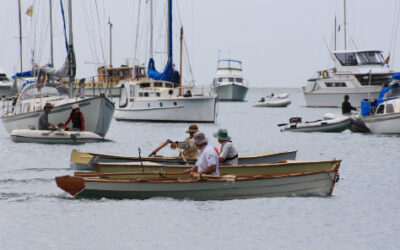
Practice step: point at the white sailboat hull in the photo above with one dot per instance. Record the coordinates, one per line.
(97, 112)
(180, 109)
(383, 124)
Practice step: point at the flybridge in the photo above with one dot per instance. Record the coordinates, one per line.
(226, 64)
(355, 58)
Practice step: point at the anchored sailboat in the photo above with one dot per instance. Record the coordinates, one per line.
(160, 97)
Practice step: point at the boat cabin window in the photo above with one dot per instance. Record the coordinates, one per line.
(146, 94)
(145, 85)
(335, 84)
(140, 94)
(168, 85)
(347, 59)
(3, 77)
(158, 94)
(231, 79)
(239, 80)
(220, 79)
(380, 109)
(389, 108)
(158, 84)
(370, 57)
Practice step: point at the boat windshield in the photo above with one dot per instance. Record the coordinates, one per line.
(347, 59)
(37, 91)
(370, 57)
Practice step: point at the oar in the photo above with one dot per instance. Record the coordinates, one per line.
(101, 174)
(168, 141)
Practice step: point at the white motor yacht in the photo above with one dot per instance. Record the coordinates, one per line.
(228, 83)
(357, 73)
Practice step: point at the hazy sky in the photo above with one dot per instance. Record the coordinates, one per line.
(281, 42)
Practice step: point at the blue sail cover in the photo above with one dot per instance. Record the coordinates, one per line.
(166, 75)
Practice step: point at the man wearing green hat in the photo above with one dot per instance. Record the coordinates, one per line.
(228, 155)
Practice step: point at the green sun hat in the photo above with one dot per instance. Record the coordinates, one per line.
(222, 134)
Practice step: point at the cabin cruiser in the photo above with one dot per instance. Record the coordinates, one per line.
(147, 99)
(357, 73)
(228, 83)
(5, 84)
(25, 112)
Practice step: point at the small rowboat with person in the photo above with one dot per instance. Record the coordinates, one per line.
(83, 160)
(201, 187)
(260, 168)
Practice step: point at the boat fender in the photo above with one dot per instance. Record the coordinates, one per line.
(337, 178)
(325, 74)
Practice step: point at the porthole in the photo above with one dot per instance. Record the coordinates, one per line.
(175, 104)
(170, 92)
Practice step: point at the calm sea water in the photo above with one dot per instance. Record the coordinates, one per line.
(363, 212)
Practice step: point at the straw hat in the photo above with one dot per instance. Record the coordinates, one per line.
(199, 138)
(192, 129)
(75, 106)
(222, 134)
(48, 105)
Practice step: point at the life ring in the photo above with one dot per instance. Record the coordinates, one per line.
(325, 74)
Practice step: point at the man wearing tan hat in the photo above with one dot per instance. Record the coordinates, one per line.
(43, 123)
(207, 162)
(192, 151)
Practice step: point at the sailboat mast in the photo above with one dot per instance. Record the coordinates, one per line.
(70, 50)
(335, 32)
(111, 25)
(51, 34)
(20, 32)
(180, 64)
(151, 29)
(345, 36)
(170, 31)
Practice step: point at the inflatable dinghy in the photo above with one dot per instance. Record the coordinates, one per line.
(54, 137)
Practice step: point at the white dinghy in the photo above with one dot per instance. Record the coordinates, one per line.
(338, 124)
(273, 103)
(54, 137)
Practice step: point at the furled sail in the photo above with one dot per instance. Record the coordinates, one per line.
(68, 69)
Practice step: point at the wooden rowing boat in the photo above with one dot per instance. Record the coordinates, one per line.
(318, 183)
(82, 160)
(260, 168)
